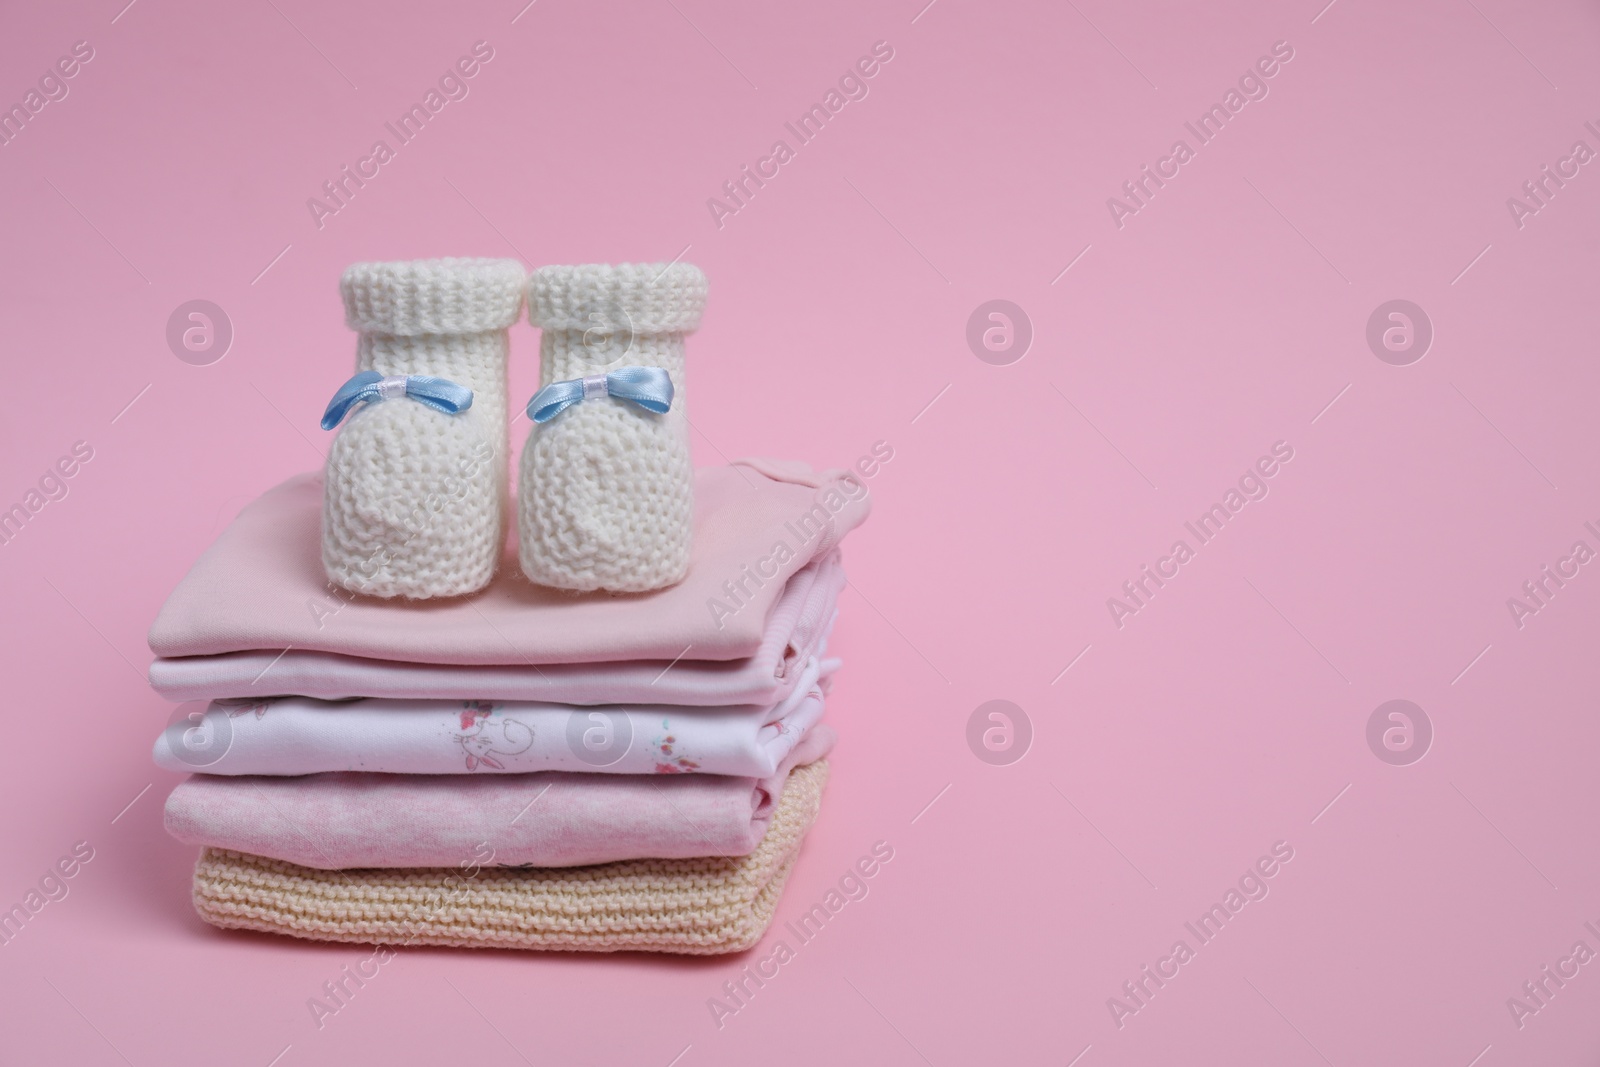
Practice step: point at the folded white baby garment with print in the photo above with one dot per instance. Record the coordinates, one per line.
(298, 735)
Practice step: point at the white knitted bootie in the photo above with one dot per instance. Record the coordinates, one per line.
(606, 495)
(416, 496)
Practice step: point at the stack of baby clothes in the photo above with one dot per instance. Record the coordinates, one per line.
(563, 765)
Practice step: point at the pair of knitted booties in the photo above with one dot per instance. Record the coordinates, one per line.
(417, 488)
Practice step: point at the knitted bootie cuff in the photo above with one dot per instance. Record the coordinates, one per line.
(433, 296)
(648, 298)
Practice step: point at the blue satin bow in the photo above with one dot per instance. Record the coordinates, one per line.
(369, 387)
(649, 387)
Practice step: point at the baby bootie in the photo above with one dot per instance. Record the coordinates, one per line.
(606, 494)
(416, 497)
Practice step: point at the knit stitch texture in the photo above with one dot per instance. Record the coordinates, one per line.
(417, 499)
(606, 493)
(696, 907)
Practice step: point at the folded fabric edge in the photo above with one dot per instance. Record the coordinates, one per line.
(166, 638)
(313, 674)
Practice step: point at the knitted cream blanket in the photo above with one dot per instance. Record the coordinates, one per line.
(690, 906)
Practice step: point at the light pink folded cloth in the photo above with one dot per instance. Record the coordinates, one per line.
(796, 629)
(546, 819)
(261, 586)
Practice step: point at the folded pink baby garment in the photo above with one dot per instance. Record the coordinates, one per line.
(261, 586)
(547, 819)
(296, 735)
(795, 630)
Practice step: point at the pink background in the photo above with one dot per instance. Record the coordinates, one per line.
(1223, 317)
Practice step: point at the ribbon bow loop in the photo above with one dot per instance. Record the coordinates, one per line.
(369, 387)
(648, 387)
